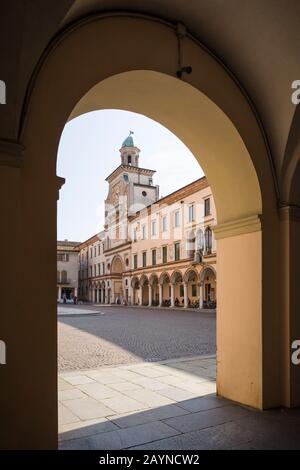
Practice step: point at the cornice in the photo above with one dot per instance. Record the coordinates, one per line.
(238, 227)
(289, 213)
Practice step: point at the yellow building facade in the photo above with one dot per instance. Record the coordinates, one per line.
(153, 251)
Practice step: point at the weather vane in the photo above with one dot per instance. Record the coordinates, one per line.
(131, 132)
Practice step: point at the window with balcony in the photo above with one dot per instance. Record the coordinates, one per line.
(165, 254)
(153, 257)
(191, 213)
(206, 207)
(208, 240)
(177, 251)
(200, 240)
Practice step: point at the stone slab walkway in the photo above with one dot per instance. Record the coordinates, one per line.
(167, 405)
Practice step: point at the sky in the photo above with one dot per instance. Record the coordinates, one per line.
(89, 151)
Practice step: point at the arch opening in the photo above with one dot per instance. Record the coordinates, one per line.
(210, 114)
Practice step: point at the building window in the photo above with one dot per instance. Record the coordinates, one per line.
(144, 259)
(64, 277)
(99, 272)
(99, 249)
(206, 207)
(176, 219)
(126, 179)
(200, 240)
(144, 232)
(194, 290)
(91, 272)
(177, 251)
(208, 240)
(153, 227)
(103, 268)
(153, 257)
(191, 213)
(129, 159)
(95, 251)
(150, 181)
(164, 223)
(135, 261)
(58, 276)
(95, 270)
(134, 234)
(144, 193)
(91, 253)
(165, 254)
(63, 257)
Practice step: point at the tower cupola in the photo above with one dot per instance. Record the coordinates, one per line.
(130, 151)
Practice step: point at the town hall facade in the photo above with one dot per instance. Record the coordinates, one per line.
(152, 251)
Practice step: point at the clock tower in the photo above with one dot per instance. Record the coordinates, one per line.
(131, 189)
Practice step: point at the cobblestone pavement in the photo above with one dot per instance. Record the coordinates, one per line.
(123, 335)
(166, 405)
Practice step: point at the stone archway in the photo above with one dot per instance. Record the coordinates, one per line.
(144, 283)
(153, 282)
(116, 271)
(212, 115)
(164, 290)
(135, 285)
(191, 287)
(208, 286)
(177, 291)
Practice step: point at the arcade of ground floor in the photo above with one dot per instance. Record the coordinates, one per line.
(185, 287)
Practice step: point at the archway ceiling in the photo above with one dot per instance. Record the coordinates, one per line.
(259, 41)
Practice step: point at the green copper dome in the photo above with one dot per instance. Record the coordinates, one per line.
(129, 141)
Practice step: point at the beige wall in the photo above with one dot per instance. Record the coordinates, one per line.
(239, 319)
